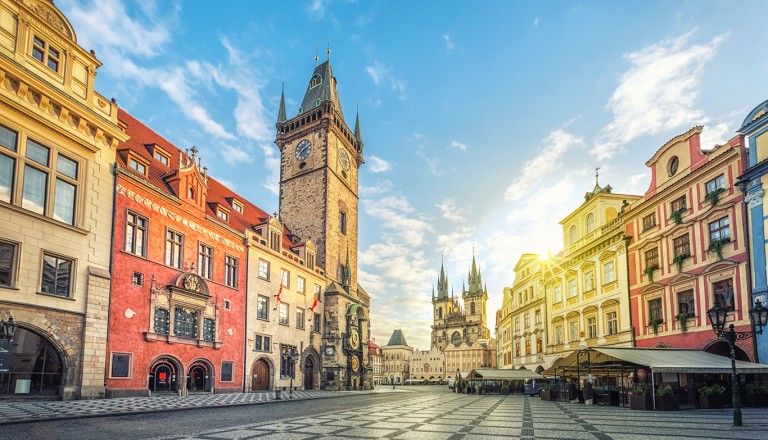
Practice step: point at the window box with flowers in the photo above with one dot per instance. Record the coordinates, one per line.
(677, 216)
(716, 246)
(679, 259)
(649, 272)
(682, 320)
(713, 197)
(654, 324)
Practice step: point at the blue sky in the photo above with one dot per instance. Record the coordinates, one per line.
(483, 121)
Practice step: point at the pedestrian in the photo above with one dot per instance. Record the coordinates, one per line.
(573, 391)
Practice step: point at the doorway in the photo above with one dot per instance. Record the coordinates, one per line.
(260, 375)
(309, 374)
(198, 378)
(163, 376)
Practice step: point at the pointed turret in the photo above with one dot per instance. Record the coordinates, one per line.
(358, 132)
(321, 88)
(442, 284)
(281, 112)
(347, 273)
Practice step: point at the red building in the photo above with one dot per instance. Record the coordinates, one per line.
(177, 310)
(688, 246)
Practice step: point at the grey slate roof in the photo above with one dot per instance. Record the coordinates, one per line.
(324, 91)
(397, 338)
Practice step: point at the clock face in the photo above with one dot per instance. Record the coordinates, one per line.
(355, 363)
(303, 149)
(329, 351)
(354, 339)
(344, 159)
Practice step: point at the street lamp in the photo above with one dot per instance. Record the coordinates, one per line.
(290, 353)
(7, 328)
(717, 317)
(6, 337)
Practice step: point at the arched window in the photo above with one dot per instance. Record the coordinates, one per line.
(191, 193)
(590, 222)
(573, 235)
(472, 308)
(440, 313)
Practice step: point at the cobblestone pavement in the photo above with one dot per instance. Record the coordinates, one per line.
(19, 412)
(458, 417)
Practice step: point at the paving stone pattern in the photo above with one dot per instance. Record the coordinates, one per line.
(461, 417)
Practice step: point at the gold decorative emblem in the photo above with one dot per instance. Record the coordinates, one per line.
(354, 339)
(190, 283)
(355, 364)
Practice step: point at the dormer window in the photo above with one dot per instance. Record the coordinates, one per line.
(191, 193)
(161, 157)
(315, 81)
(237, 206)
(46, 54)
(138, 166)
(274, 240)
(224, 215)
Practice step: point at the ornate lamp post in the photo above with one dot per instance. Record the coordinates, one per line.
(290, 353)
(6, 337)
(717, 317)
(7, 328)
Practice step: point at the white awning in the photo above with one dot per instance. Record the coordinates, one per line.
(496, 374)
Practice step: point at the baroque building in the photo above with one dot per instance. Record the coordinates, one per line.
(688, 247)
(377, 362)
(457, 321)
(586, 283)
(397, 359)
(467, 356)
(58, 138)
(320, 158)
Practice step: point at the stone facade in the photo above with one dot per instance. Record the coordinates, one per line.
(59, 138)
(467, 357)
(397, 359)
(428, 365)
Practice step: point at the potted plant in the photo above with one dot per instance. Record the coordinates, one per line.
(682, 320)
(677, 216)
(666, 399)
(640, 399)
(678, 260)
(711, 397)
(714, 196)
(649, 272)
(654, 325)
(716, 246)
(756, 395)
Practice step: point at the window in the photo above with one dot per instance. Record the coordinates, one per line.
(262, 307)
(343, 222)
(538, 346)
(287, 362)
(191, 193)
(285, 278)
(589, 280)
(572, 288)
(237, 206)
(720, 230)
(209, 329)
(686, 303)
(135, 234)
(161, 157)
(527, 320)
(317, 292)
(230, 271)
(224, 215)
(681, 245)
(121, 365)
(316, 323)
(573, 331)
(300, 285)
(573, 236)
(57, 275)
(558, 334)
(537, 317)
(558, 294)
(724, 292)
(527, 346)
(138, 166)
(174, 243)
(185, 323)
(204, 260)
(672, 165)
(652, 258)
(590, 222)
(716, 184)
(678, 204)
(137, 279)
(46, 54)
(162, 321)
(262, 343)
(310, 261)
(264, 269)
(612, 322)
(300, 318)
(274, 239)
(472, 308)
(226, 371)
(517, 323)
(8, 258)
(609, 272)
(649, 221)
(654, 310)
(517, 349)
(283, 314)
(591, 327)
(227, 304)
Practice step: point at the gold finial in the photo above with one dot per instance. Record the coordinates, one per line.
(328, 51)
(316, 58)
(597, 173)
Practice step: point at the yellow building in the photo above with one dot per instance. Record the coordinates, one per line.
(57, 151)
(468, 356)
(586, 283)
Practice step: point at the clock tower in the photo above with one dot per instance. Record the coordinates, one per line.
(319, 161)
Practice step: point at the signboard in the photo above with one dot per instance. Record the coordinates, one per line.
(5, 355)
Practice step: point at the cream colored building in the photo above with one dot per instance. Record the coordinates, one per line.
(397, 359)
(523, 329)
(377, 362)
(466, 357)
(586, 283)
(428, 365)
(57, 150)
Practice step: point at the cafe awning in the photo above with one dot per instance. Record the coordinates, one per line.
(659, 360)
(496, 374)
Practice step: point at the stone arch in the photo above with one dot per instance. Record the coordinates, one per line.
(159, 369)
(193, 381)
(721, 348)
(270, 383)
(310, 357)
(37, 366)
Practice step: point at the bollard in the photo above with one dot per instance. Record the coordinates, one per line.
(278, 395)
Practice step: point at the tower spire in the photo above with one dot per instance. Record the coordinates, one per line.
(442, 283)
(358, 133)
(281, 117)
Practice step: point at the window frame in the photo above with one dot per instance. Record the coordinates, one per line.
(205, 257)
(134, 163)
(343, 222)
(591, 324)
(681, 245)
(72, 273)
(265, 299)
(300, 317)
(722, 228)
(612, 323)
(283, 313)
(717, 184)
(45, 50)
(686, 299)
(649, 222)
(301, 285)
(316, 323)
(557, 294)
(285, 278)
(231, 271)
(606, 278)
(132, 229)
(263, 269)
(264, 341)
(655, 309)
(13, 269)
(718, 290)
(654, 261)
(679, 204)
(129, 373)
(172, 245)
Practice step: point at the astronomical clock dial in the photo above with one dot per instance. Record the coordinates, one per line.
(355, 363)
(354, 339)
(329, 351)
(303, 149)
(344, 159)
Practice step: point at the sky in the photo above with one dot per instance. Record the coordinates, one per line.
(483, 122)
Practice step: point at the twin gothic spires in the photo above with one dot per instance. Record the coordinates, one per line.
(475, 282)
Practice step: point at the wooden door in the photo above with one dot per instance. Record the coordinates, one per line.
(309, 374)
(260, 376)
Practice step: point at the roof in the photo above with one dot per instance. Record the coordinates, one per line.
(142, 141)
(325, 90)
(397, 338)
(659, 360)
(496, 374)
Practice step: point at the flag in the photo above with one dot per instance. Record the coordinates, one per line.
(314, 304)
(279, 292)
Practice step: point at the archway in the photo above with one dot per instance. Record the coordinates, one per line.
(36, 367)
(309, 374)
(260, 374)
(163, 375)
(199, 376)
(721, 348)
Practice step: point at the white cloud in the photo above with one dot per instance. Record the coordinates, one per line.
(379, 188)
(549, 159)
(658, 92)
(458, 145)
(234, 156)
(536, 22)
(272, 165)
(382, 75)
(379, 165)
(448, 43)
(451, 212)
(716, 134)
(317, 8)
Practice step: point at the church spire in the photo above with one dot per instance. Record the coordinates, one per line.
(281, 112)
(358, 133)
(442, 283)
(321, 88)
(346, 277)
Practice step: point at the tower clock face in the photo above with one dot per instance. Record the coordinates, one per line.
(303, 149)
(344, 159)
(355, 363)
(354, 339)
